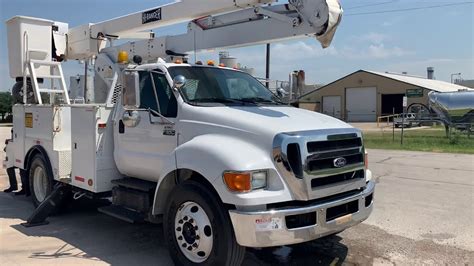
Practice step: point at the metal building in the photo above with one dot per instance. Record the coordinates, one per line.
(364, 95)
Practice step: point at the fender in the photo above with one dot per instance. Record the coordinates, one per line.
(212, 154)
(34, 150)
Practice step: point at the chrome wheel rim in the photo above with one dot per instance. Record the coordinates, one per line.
(193, 232)
(40, 183)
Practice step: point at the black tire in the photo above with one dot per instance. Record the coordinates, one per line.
(17, 92)
(39, 161)
(225, 250)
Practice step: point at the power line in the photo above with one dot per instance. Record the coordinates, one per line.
(408, 9)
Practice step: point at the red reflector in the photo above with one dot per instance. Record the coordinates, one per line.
(80, 179)
(38, 142)
(102, 125)
(18, 161)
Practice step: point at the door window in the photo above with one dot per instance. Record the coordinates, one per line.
(162, 100)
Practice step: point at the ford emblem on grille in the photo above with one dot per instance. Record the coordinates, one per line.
(340, 162)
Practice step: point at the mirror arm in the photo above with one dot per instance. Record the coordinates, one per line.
(164, 120)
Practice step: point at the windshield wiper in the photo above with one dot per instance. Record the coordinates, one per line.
(259, 100)
(215, 100)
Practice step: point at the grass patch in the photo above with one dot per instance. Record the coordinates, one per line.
(421, 140)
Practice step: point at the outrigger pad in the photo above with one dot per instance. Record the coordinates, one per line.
(47, 207)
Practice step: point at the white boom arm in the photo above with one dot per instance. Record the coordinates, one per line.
(173, 13)
(246, 22)
(87, 40)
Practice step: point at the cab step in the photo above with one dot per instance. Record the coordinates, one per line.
(133, 183)
(123, 214)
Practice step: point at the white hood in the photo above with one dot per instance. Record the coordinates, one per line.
(255, 122)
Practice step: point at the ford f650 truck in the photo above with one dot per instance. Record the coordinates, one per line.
(206, 150)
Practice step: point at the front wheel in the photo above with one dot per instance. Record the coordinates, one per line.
(198, 229)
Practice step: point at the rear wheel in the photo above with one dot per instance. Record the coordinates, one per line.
(198, 229)
(41, 179)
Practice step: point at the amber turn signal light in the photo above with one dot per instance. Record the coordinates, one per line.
(238, 182)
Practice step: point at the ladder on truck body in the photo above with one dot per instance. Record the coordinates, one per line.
(56, 73)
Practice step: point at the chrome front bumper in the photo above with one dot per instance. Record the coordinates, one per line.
(268, 228)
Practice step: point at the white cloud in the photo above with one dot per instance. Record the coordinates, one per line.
(373, 45)
(380, 51)
(300, 49)
(373, 37)
(373, 51)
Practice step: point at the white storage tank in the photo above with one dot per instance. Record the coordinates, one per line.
(227, 60)
(32, 35)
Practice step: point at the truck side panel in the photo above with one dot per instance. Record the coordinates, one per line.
(45, 126)
(93, 165)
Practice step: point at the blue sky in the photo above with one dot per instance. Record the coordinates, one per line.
(400, 41)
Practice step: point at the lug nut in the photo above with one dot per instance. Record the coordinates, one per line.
(185, 218)
(197, 237)
(178, 229)
(190, 248)
(184, 245)
(195, 245)
(191, 220)
(180, 238)
(180, 221)
(196, 227)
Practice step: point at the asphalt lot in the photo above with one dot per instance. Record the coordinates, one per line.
(424, 214)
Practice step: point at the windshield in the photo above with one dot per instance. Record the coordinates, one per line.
(222, 86)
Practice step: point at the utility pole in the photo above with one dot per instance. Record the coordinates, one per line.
(267, 70)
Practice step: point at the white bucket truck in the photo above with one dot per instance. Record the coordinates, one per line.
(206, 150)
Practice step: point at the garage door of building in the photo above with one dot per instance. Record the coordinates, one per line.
(332, 106)
(361, 104)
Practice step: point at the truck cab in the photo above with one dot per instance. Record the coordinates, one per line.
(284, 175)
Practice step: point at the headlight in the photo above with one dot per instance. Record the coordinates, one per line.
(259, 179)
(245, 181)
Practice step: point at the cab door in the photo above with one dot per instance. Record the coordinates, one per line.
(145, 136)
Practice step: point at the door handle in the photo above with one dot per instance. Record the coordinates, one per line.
(121, 127)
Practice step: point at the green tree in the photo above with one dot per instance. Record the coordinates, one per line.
(6, 103)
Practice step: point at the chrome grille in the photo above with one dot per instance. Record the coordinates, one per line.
(322, 154)
(335, 142)
(307, 161)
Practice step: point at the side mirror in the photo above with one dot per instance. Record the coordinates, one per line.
(131, 118)
(179, 82)
(281, 92)
(131, 90)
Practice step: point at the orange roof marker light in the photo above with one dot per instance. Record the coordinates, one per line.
(122, 57)
(178, 61)
(222, 65)
(210, 63)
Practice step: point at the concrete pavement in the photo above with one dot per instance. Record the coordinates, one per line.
(423, 215)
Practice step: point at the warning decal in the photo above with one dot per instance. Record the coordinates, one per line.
(29, 120)
(268, 224)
